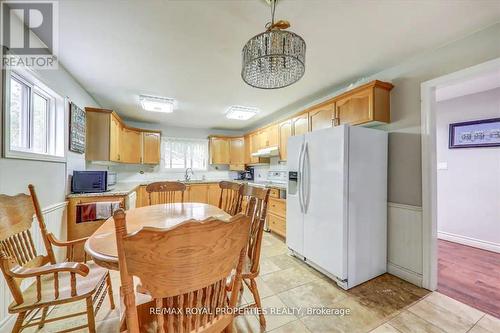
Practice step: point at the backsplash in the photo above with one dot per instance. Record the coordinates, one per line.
(139, 173)
(260, 171)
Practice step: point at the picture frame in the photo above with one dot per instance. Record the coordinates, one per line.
(474, 134)
(77, 129)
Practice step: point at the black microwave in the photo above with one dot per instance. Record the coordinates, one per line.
(89, 181)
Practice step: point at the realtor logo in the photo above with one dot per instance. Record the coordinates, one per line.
(29, 34)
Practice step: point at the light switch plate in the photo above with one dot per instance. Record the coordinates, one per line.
(442, 166)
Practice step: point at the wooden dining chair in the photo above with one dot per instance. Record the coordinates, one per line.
(230, 197)
(54, 283)
(165, 192)
(256, 200)
(184, 267)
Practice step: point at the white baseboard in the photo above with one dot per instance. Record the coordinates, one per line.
(464, 240)
(405, 274)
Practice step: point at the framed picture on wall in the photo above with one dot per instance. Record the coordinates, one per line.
(77, 128)
(477, 133)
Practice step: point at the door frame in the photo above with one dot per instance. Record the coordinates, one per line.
(429, 164)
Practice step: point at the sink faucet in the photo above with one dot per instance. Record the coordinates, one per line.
(187, 177)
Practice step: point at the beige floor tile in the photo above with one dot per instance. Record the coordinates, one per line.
(386, 328)
(458, 308)
(273, 250)
(285, 261)
(270, 239)
(313, 294)
(276, 313)
(288, 278)
(264, 291)
(267, 266)
(407, 322)
(489, 324)
(443, 318)
(293, 327)
(357, 319)
(247, 324)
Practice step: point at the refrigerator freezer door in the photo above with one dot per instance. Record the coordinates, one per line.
(325, 223)
(294, 215)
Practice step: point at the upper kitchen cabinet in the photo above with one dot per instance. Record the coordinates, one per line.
(108, 139)
(369, 103)
(219, 150)
(237, 154)
(322, 116)
(130, 146)
(271, 136)
(151, 142)
(284, 132)
(300, 124)
(115, 136)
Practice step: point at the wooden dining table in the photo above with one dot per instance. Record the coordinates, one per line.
(101, 246)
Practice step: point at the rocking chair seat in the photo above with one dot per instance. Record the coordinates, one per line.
(85, 287)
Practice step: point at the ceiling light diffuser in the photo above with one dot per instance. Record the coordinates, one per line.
(241, 112)
(157, 104)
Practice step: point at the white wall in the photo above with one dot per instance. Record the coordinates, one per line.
(469, 189)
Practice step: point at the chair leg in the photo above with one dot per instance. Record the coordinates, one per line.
(256, 297)
(110, 292)
(90, 315)
(19, 322)
(44, 315)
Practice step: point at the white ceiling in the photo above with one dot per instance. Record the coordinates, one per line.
(190, 50)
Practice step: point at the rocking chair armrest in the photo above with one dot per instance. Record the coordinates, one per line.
(54, 241)
(71, 267)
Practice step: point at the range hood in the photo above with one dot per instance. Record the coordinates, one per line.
(267, 152)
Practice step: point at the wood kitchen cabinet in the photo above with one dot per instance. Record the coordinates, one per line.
(109, 139)
(322, 116)
(197, 193)
(284, 132)
(237, 154)
(115, 138)
(151, 143)
(254, 140)
(270, 136)
(300, 124)
(219, 150)
(369, 103)
(130, 146)
(213, 194)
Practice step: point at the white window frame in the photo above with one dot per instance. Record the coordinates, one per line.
(163, 153)
(56, 104)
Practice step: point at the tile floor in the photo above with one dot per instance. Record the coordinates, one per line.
(383, 305)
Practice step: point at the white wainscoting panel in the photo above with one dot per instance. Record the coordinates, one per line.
(55, 219)
(469, 241)
(405, 242)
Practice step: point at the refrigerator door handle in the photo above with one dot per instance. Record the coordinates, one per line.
(307, 176)
(301, 178)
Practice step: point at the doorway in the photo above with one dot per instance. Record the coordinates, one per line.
(461, 186)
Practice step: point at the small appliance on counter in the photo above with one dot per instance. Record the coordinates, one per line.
(246, 175)
(92, 181)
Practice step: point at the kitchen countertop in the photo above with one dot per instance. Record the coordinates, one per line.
(125, 188)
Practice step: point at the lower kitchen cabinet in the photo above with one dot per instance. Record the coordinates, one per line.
(276, 224)
(276, 213)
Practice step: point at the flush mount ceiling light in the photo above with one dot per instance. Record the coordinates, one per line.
(157, 104)
(275, 58)
(241, 112)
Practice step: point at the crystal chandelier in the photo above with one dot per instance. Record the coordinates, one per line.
(275, 58)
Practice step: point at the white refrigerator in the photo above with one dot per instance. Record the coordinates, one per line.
(336, 207)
